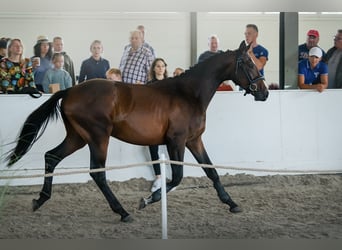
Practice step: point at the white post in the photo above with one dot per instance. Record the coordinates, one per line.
(163, 197)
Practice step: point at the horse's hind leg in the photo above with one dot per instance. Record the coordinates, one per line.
(98, 153)
(52, 158)
(197, 149)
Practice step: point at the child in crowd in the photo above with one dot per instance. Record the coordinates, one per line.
(57, 74)
(114, 74)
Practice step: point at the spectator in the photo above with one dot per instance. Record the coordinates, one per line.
(258, 53)
(42, 50)
(157, 72)
(95, 66)
(3, 47)
(213, 43)
(312, 39)
(312, 72)
(114, 74)
(334, 60)
(15, 71)
(58, 47)
(57, 74)
(141, 28)
(136, 60)
(178, 71)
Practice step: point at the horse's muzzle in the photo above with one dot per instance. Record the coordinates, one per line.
(261, 95)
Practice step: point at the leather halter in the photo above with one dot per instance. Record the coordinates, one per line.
(252, 86)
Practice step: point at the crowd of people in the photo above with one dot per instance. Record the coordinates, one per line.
(317, 69)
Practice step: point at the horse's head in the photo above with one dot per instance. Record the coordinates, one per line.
(248, 76)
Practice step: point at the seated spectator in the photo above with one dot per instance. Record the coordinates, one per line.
(178, 71)
(312, 72)
(114, 74)
(15, 71)
(312, 39)
(42, 51)
(334, 60)
(57, 74)
(95, 66)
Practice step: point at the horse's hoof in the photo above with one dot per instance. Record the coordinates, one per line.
(142, 203)
(35, 205)
(235, 210)
(127, 219)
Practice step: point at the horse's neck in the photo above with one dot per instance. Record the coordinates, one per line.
(209, 76)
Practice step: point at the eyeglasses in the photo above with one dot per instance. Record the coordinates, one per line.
(336, 38)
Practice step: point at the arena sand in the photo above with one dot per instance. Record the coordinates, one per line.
(274, 207)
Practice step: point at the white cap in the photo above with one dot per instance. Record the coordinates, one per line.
(315, 51)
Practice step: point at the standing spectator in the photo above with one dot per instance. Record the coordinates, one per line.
(136, 60)
(312, 39)
(15, 71)
(157, 72)
(95, 66)
(141, 28)
(312, 72)
(114, 74)
(334, 60)
(42, 50)
(58, 47)
(3, 47)
(57, 74)
(258, 53)
(213, 43)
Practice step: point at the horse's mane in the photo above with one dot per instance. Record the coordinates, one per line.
(199, 67)
(184, 83)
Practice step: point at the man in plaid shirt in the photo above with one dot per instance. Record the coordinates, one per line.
(136, 60)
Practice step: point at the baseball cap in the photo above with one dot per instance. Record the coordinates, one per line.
(315, 51)
(314, 33)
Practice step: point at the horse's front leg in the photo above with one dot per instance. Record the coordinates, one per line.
(176, 153)
(197, 149)
(98, 153)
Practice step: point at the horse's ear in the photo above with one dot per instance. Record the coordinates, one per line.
(243, 46)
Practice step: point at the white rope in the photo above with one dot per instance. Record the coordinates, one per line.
(74, 172)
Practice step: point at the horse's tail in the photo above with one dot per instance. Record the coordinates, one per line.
(35, 126)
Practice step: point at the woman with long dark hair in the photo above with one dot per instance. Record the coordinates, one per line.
(157, 72)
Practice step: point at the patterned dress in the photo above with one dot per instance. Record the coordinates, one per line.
(15, 76)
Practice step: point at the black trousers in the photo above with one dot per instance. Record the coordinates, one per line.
(155, 157)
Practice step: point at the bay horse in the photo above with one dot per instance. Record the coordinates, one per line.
(171, 112)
